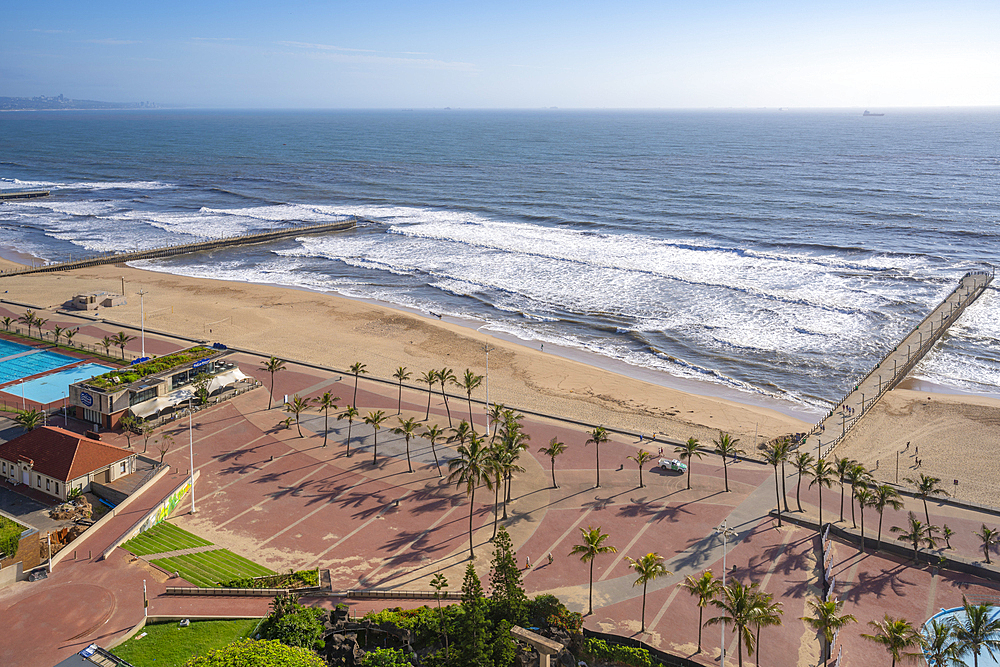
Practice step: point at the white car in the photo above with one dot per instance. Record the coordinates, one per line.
(673, 464)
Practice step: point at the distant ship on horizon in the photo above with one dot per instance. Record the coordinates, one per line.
(869, 113)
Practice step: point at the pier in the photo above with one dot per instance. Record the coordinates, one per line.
(187, 248)
(895, 365)
(23, 194)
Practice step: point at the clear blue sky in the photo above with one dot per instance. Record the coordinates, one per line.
(375, 53)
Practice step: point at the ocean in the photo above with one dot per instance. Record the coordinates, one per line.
(775, 253)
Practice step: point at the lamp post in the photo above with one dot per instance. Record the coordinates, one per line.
(142, 318)
(726, 533)
(191, 449)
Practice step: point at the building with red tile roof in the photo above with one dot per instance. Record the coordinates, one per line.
(55, 461)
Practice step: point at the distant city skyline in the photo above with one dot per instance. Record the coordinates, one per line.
(439, 54)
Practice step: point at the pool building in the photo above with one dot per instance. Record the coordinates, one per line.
(149, 388)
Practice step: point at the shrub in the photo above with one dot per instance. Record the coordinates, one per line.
(628, 655)
(258, 654)
(548, 610)
(385, 657)
(10, 537)
(300, 579)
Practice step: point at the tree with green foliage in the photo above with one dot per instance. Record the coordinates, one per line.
(470, 627)
(375, 419)
(201, 387)
(827, 620)
(121, 339)
(106, 343)
(513, 441)
(470, 469)
(57, 333)
(69, 335)
(439, 583)
(433, 434)
(128, 422)
(402, 375)
(726, 447)
(591, 547)
(687, 452)
(740, 604)
(350, 413)
(597, 436)
(325, 403)
(358, 369)
(407, 428)
(554, 449)
(865, 498)
(428, 378)
(895, 636)
(641, 458)
(29, 419)
(262, 653)
(385, 657)
(272, 366)
(705, 588)
(647, 568)
(924, 487)
(773, 455)
(768, 614)
(989, 537)
(940, 646)
(470, 382)
(446, 376)
(508, 601)
(294, 624)
(297, 406)
(6, 322)
(857, 477)
(822, 474)
(884, 496)
(841, 466)
(978, 630)
(496, 413)
(803, 462)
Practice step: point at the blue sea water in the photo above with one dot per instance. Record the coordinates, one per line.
(775, 252)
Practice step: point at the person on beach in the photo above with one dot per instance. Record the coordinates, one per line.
(550, 558)
(527, 562)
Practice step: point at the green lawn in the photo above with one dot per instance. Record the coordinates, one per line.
(161, 538)
(207, 568)
(168, 645)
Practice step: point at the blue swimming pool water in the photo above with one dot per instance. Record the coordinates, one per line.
(958, 614)
(29, 364)
(52, 387)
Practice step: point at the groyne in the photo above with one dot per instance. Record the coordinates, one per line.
(896, 364)
(23, 194)
(186, 248)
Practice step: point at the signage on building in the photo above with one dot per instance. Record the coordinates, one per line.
(199, 363)
(86, 399)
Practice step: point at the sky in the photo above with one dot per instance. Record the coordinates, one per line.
(434, 54)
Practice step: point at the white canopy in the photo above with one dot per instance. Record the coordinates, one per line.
(221, 380)
(156, 405)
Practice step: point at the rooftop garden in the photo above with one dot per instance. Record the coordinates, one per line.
(130, 374)
(10, 535)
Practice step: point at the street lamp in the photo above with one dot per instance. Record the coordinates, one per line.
(142, 318)
(726, 533)
(191, 449)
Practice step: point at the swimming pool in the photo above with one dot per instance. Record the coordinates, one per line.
(52, 387)
(958, 614)
(20, 361)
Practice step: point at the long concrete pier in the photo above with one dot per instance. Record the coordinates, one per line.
(199, 246)
(22, 194)
(895, 365)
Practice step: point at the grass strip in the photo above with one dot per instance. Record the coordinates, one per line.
(168, 645)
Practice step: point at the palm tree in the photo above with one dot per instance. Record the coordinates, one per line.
(512, 442)
(687, 452)
(884, 495)
(470, 381)
(121, 340)
(647, 568)
(641, 458)
(428, 378)
(461, 433)
(408, 429)
(772, 456)
(39, 323)
(358, 369)
(740, 605)
(842, 465)
(6, 322)
(375, 419)
(940, 646)
(977, 631)
(823, 475)
(918, 533)
(495, 463)
(895, 636)
(990, 537)
(349, 413)
(858, 477)
(297, 406)
(57, 333)
(29, 419)
(69, 335)
(947, 533)
(705, 588)
(437, 583)
(597, 436)
(768, 614)
(496, 416)
(589, 548)
(554, 449)
(787, 448)
(726, 447)
(445, 377)
(432, 434)
(272, 366)
(470, 468)
(325, 403)
(106, 343)
(402, 375)
(865, 499)
(27, 319)
(827, 620)
(924, 487)
(802, 462)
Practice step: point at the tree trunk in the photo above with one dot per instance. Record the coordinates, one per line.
(590, 601)
(798, 492)
(554, 485)
(597, 448)
(472, 505)
(777, 494)
(784, 487)
(725, 472)
(408, 464)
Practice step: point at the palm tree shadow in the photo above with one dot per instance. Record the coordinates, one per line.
(878, 584)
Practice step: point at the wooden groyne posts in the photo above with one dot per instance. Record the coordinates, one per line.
(170, 251)
(896, 364)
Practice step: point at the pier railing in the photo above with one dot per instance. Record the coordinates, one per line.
(927, 333)
(186, 248)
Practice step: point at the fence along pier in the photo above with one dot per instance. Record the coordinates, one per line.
(198, 246)
(896, 364)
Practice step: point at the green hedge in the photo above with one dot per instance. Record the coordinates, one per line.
(637, 657)
(300, 579)
(10, 536)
